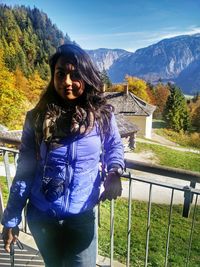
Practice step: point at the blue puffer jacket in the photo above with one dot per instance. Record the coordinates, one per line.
(76, 161)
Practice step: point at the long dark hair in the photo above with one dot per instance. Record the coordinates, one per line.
(92, 97)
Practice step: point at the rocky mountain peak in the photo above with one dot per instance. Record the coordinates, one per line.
(174, 59)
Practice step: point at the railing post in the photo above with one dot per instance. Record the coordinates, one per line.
(111, 232)
(1, 204)
(191, 232)
(148, 227)
(169, 228)
(187, 201)
(7, 168)
(129, 221)
(16, 156)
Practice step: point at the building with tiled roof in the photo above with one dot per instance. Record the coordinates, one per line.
(10, 137)
(135, 110)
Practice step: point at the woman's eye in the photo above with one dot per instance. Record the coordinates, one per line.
(60, 74)
(75, 76)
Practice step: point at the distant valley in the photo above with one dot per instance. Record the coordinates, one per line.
(170, 60)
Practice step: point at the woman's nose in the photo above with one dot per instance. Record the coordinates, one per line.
(68, 80)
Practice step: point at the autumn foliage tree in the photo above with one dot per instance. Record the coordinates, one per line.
(194, 107)
(27, 40)
(36, 87)
(11, 99)
(161, 92)
(138, 87)
(196, 118)
(116, 88)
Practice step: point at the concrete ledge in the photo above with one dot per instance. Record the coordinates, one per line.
(105, 262)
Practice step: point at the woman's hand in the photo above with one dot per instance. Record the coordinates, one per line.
(9, 235)
(113, 187)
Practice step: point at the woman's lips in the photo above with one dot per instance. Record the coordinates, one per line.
(68, 90)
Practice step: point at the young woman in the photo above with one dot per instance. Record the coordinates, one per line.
(58, 169)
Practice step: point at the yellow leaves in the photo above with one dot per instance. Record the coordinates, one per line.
(117, 88)
(138, 87)
(10, 98)
(36, 86)
(17, 95)
(21, 82)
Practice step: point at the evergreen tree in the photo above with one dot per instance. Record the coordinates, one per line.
(105, 78)
(196, 118)
(176, 113)
(29, 38)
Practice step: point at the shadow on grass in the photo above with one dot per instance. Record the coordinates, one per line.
(158, 124)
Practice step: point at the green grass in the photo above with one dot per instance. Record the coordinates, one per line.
(172, 158)
(4, 188)
(10, 158)
(189, 140)
(158, 124)
(179, 238)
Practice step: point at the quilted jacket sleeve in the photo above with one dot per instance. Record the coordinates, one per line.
(114, 150)
(22, 181)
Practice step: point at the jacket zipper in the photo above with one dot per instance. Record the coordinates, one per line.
(72, 149)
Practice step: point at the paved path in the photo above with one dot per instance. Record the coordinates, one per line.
(162, 195)
(161, 140)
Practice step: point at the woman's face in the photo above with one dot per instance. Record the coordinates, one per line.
(67, 81)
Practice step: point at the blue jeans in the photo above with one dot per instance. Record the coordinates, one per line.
(67, 243)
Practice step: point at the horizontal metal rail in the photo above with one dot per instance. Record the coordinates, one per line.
(163, 170)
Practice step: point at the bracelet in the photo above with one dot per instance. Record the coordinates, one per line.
(116, 170)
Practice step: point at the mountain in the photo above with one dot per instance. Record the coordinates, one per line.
(174, 60)
(105, 58)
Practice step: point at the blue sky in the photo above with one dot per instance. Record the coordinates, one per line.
(125, 24)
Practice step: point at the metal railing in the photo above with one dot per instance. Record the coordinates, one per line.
(191, 195)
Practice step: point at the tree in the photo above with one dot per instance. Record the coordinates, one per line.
(161, 93)
(36, 86)
(105, 78)
(196, 118)
(176, 113)
(150, 92)
(117, 88)
(138, 87)
(11, 99)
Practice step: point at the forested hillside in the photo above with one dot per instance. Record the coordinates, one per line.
(27, 39)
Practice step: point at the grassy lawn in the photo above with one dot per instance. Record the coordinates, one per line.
(189, 140)
(10, 158)
(179, 238)
(172, 158)
(3, 186)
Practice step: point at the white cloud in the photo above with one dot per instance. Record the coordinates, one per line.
(172, 32)
(131, 40)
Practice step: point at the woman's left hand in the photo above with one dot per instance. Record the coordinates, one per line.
(112, 187)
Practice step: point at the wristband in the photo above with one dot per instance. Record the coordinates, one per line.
(117, 170)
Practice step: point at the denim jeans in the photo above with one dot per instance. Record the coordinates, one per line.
(67, 243)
